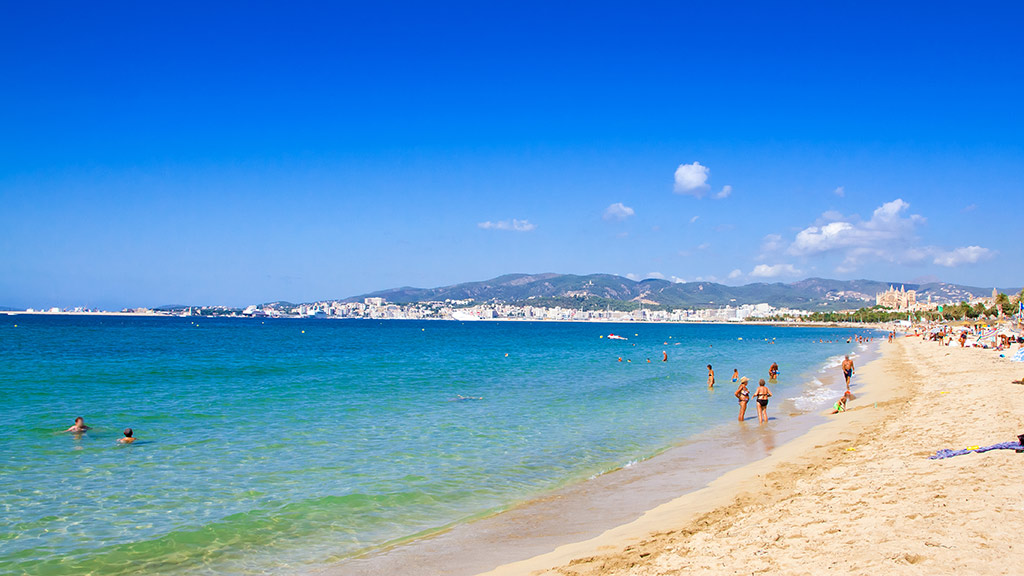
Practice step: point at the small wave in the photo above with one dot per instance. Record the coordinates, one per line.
(815, 397)
(831, 362)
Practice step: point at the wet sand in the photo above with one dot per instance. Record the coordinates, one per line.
(856, 495)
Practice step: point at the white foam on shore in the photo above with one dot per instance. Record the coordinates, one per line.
(831, 362)
(817, 395)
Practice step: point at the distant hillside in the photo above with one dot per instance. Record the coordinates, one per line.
(812, 293)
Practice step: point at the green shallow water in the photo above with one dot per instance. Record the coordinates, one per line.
(278, 446)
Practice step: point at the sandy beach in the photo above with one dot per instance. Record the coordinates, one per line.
(857, 495)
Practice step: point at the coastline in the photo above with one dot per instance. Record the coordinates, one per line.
(853, 494)
(793, 324)
(581, 512)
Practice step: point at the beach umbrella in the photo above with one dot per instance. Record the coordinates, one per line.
(1007, 330)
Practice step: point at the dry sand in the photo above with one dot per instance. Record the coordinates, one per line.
(857, 495)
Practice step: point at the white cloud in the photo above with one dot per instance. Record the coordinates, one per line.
(618, 211)
(654, 275)
(704, 246)
(724, 193)
(888, 235)
(735, 274)
(840, 191)
(963, 255)
(514, 225)
(692, 179)
(771, 242)
(766, 271)
(694, 219)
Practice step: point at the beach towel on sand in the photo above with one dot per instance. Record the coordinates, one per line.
(950, 453)
(1018, 356)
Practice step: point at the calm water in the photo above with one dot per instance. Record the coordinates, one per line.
(280, 445)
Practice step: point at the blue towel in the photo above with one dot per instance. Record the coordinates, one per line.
(950, 453)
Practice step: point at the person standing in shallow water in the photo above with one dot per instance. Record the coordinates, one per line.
(773, 371)
(711, 377)
(743, 395)
(762, 394)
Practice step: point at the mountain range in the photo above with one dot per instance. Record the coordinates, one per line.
(809, 294)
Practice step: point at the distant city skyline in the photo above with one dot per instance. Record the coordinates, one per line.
(194, 154)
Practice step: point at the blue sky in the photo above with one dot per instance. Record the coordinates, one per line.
(157, 153)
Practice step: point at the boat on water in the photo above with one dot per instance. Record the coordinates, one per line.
(616, 337)
(464, 316)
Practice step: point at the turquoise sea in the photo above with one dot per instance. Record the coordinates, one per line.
(280, 446)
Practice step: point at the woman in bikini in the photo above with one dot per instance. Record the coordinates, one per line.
(762, 394)
(711, 377)
(743, 395)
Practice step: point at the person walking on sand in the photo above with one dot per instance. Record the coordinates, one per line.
(743, 395)
(847, 370)
(762, 394)
(711, 377)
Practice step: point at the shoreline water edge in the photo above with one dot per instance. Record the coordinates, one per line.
(522, 537)
(860, 493)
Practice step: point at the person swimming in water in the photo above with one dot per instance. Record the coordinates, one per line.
(743, 396)
(79, 426)
(847, 370)
(762, 394)
(128, 437)
(711, 377)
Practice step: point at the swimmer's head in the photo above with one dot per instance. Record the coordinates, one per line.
(760, 382)
(709, 366)
(79, 420)
(127, 432)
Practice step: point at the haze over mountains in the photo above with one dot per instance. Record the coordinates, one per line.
(811, 294)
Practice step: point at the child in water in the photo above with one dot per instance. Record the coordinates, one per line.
(735, 374)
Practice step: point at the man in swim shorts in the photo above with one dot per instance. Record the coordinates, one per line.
(847, 370)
